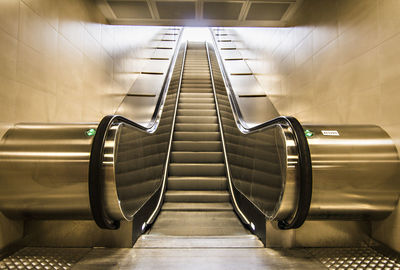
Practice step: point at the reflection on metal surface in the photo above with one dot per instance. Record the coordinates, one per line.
(44, 168)
(44, 258)
(355, 174)
(263, 163)
(354, 168)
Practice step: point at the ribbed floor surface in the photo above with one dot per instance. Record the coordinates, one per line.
(363, 258)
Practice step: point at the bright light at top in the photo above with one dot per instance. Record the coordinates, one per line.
(196, 34)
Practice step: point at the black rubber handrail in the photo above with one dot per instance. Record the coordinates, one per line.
(96, 186)
(304, 161)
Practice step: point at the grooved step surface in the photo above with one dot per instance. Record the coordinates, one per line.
(197, 95)
(200, 157)
(197, 169)
(196, 90)
(199, 146)
(194, 112)
(196, 106)
(196, 100)
(197, 202)
(161, 241)
(196, 136)
(198, 223)
(197, 183)
(196, 196)
(174, 206)
(196, 119)
(196, 127)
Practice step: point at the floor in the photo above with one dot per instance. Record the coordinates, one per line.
(202, 258)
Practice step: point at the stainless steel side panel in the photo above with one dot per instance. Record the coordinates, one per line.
(355, 172)
(44, 169)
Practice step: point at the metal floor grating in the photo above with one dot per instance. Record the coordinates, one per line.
(44, 258)
(360, 258)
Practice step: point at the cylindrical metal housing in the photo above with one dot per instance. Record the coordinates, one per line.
(355, 172)
(44, 171)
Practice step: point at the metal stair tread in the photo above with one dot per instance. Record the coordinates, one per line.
(178, 206)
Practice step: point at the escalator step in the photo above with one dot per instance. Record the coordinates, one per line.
(196, 136)
(196, 127)
(195, 119)
(199, 146)
(196, 100)
(174, 206)
(197, 106)
(196, 169)
(200, 157)
(196, 183)
(188, 112)
(197, 95)
(193, 196)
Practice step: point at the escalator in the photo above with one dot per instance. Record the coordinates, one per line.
(197, 198)
(197, 176)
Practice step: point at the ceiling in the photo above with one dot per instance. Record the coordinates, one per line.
(199, 12)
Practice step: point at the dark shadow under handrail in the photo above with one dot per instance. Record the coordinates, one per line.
(304, 162)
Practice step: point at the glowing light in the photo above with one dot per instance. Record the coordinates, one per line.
(253, 227)
(90, 132)
(196, 34)
(308, 133)
(144, 225)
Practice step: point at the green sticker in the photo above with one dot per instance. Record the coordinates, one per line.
(308, 133)
(90, 132)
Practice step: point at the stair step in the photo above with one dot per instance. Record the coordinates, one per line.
(195, 196)
(199, 146)
(200, 157)
(196, 119)
(196, 183)
(196, 169)
(196, 106)
(196, 136)
(196, 79)
(197, 85)
(188, 112)
(196, 127)
(197, 95)
(190, 242)
(173, 206)
(198, 223)
(196, 100)
(196, 90)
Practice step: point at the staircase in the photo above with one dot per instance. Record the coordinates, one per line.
(197, 180)
(197, 211)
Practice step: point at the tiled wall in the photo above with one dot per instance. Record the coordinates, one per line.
(60, 62)
(338, 64)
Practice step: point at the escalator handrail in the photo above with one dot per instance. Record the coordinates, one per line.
(228, 173)
(96, 186)
(153, 216)
(304, 157)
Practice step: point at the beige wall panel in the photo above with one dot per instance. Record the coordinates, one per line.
(61, 62)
